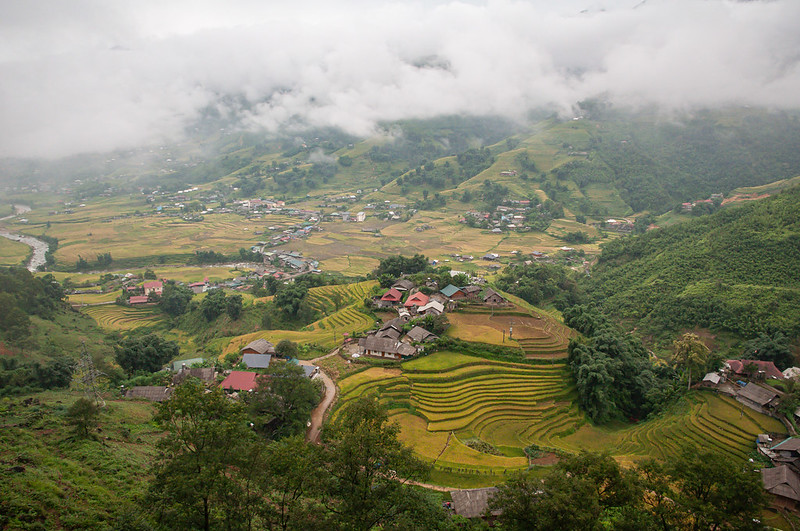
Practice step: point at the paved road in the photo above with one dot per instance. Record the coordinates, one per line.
(318, 414)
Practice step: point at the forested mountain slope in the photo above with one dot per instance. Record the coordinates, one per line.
(738, 270)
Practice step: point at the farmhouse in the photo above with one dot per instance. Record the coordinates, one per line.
(384, 347)
(416, 299)
(758, 398)
(138, 299)
(762, 369)
(492, 298)
(392, 296)
(391, 333)
(259, 346)
(256, 361)
(473, 503)
(403, 285)
(154, 393)
(432, 308)
(154, 286)
(453, 293)
(239, 381)
(471, 292)
(783, 484)
(420, 335)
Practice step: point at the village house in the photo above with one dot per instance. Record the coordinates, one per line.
(138, 299)
(403, 285)
(393, 296)
(240, 381)
(783, 484)
(391, 333)
(432, 308)
(416, 300)
(384, 347)
(472, 292)
(760, 369)
(492, 298)
(758, 398)
(453, 293)
(420, 335)
(154, 286)
(256, 361)
(259, 346)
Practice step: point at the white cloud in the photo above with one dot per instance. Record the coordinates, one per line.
(92, 75)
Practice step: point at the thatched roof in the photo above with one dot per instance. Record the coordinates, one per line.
(388, 345)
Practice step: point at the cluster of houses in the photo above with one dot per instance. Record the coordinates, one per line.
(256, 356)
(391, 341)
(687, 207)
(510, 216)
(745, 380)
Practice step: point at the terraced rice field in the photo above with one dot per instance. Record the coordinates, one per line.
(327, 332)
(93, 298)
(323, 298)
(115, 317)
(445, 398)
(539, 335)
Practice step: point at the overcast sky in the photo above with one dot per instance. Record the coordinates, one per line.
(84, 75)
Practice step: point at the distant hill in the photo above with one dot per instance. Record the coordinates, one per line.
(736, 270)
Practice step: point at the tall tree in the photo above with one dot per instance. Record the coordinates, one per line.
(368, 468)
(195, 476)
(282, 402)
(690, 353)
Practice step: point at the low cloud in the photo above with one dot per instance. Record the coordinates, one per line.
(101, 75)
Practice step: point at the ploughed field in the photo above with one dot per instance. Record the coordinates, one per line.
(447, 400)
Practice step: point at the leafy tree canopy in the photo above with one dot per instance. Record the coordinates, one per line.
(146, 353)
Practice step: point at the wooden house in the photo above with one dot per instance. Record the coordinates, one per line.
(259, 346)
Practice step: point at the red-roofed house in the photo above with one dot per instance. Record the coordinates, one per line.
(138, 299)
(239, 381)
(393, 296)
(417, 299)
(154, 286)
(739, 367)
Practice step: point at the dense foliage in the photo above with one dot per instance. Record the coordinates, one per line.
(18, 378)
(614, 374)
(698, 490)
(394, 266)
(738, 270)
(214, 472)
(655, 164)
(145, 354)
(541, 283)
(23, 295)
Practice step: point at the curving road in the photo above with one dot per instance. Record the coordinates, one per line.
(318, 414)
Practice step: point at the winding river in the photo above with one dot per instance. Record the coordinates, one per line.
(39, 247)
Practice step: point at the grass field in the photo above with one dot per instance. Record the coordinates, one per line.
(115, 317)
(446, 398)
(12, 253)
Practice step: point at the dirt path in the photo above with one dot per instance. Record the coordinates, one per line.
(318, 414)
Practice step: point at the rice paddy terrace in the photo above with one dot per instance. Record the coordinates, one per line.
(447, 400)
(328, 331)
(115, 317)
(537, 334)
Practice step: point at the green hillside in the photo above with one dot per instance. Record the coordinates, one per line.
(736, 270)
